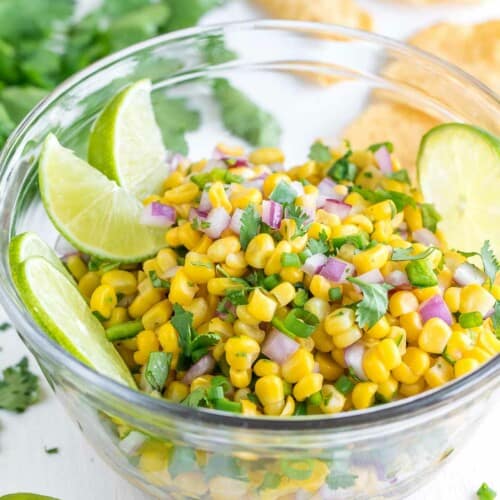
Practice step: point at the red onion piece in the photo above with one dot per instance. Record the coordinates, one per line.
(235, 223)
(467, 274)
(373, 277)
(203, 366)
(353, 357)
(333, 269)
(314, 263)
(489, 313)
(174, 160)
(325, 187)
(425, 237)
(218, 219)
(205, 205)
(383, 159)
(278, 346)
(64, 248)
(435, 307)
(397, 279)
(272, 213)
(233, 162)
(298, 188)
(337, 207)
(157, 214)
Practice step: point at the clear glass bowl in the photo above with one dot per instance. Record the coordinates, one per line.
(388, 450)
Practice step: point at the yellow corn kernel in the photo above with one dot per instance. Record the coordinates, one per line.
(261, 306)
(384, 210)
(248, 408)
(240, 378)
(408, 390)
(322, 341)
(266, 156)
(292, 274)
(284, 293)
(388, 389)
(465, 365)
(452, 298)
(388, 352)
(147, 342)
(489, 342)
(434, 336)
(177, 391)
(188, 236)
(219, 250)
(333, 401)
(383, 231)
(374, 367)
(289, 408)
(475, 298)
(319, 307)
(412, 323)
(363, 395)
(245, 316)
(76, 266)
(479, 354)
(495, 291)
(185, 193)
(327, 367)
(173, 180)
(373, 258)
(413, 217)
(423, 294)
(269, 390)
(380, 329)
(145, 301)
(168, 338)
(252, 331)
(438, 374)
(320, 287)
(402, 302)
(414, 364)
(306, 343)
(333, 222)
(151, 265)
(198, 268)
(158, 315)
(166, 259)
(218, 197)
(88, 283)
(182, 291)
(398, 335)
(459, 343)
(265, 367)
(154, 457)
(230, 150)
(304, 171)
(241, 352)
(221, 327)
(248, 196)
(297, 366)
(172, 237)
(338, 357)
(360, 220)
(219, 351)
(307, 386)
(273, 264)
(272, 180)
(236, 260)
(122, 281)
(316, 228)
(347, 337)
(339, 321)
(103, 300)
(199, 309)
(118, 315)
(202, 382)
(259, 250)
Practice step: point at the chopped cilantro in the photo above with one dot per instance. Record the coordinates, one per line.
(250, 225)
(485, 493)
(318, 246)
(237, 297)
(401, 200)
(201, 344)
(5, 326)
(343, 169)
(430, 216)
(400, 176)
(375, 147)
(301, 220)
(158, 282)
(320, 153)
(96, 264)
(360, 240)
(402, 254)
(18, 388)
(374, 304)
(51, 451)
(157, 369)
(186, 13)
(283, 193)
(490, 262)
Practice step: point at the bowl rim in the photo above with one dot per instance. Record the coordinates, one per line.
(380, 415)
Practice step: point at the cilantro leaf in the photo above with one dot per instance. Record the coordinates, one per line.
(401, 254)
(374, 304)
(283, 193)
(18, 388)
(401, 200)
(182, 321)
(496, 319)
(157, 369)
(318, 246)
(18, 101)
(237, 297)
(400, 176)
(485, 493)
(340, 480)
(250, 225)
(320, 153)
(5, 326)
(158, 282)
(51, 451)
(201, 344)
(343, 169)
(490, 262)
(301, 219)
(243, 118)
(187, 13)
(183, 459)
(215, 51)
(360, 240)
(430, 216)
(375, 147)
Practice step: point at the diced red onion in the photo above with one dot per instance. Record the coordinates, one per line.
(435, 307)
(383, 159)
(203, 366)
(333, 269)
(272, 213)
(278, 346)
(235, 224)
(467, 274)
(233, 162)
(314, 263)
(397, 279)
(64, 248)
(425, 237)
(218, 219)
(337, 207)
(132, 442)
(205, 205)
(157, 214)
(197, 214)
(489, 313)
(325, 187)
(298, 188)
(174, 160)
(353, 357)
(373, 277)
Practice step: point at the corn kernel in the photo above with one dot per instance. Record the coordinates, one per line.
(240, 378)
(158, 315)
(363, 395)
(464, 366)
(402, 302)
(284, 293)
(307, 386)
(261, 306)
(373, 258)
(103, 300)
(76, 266)
(259, 250)
(297, 366)
(434, 336)
(475, 298)
(269, 390)
(265, 367)
(333, 401)
(438, 374)
(241, 352)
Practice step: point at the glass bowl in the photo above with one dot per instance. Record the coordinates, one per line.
(315, 79)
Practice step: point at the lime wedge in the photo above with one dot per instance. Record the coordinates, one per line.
(29, 244)
(459, 171)
(126, 144)
(60, 310)
(91, 211)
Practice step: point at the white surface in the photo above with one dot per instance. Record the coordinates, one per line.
(76, 473)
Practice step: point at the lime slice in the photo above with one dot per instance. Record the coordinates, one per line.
(126, 143)
(29, 244)
(459, 171)
(91, 211)
(58, 307)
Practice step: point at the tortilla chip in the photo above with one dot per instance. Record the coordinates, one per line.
(344, 12)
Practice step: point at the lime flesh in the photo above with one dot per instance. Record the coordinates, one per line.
(92, 212)
(459, 171)
(126, 144)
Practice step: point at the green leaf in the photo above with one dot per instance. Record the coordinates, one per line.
(485, 493)
(230, 465)
(18, 388)
(243, 118)
(318, 246)
(343, 169)
(430, 216)
(320, 153)
(283, 193)
(400, 176)
(237, 297)
(402, 254)
(182, 321)
(401, 200)
(214, 50)
(496, 319)
(9, 70)
(157, 369)
(5, 326)
(250, 225)
(51, 451)
(375, 147)
(340, 480)
(187, 13)
(196, 398)
(360, 240)
(183, 459)
(202, 343)
(490, 262)
(157, 282)
(175, 118)
(18, 101)
(301, 219)
(374, 304)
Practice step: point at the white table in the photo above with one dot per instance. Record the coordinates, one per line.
(76, 473)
